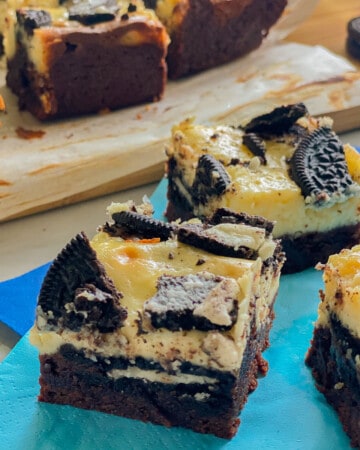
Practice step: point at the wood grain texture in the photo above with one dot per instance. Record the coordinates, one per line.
(327, 26)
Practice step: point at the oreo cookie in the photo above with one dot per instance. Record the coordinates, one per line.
(199, 301)
(353, 38)
(76, 292)
(211, 179)
(278, 121)
(225, 215)
(199, 236)
(88, 13)
(30, 19)
(318, 166)
(129, 224)
(256, 145)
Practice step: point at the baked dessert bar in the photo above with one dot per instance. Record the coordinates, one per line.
(207, 33)
(165, 323)
(284, 165)
(80, 59)
(334, 353)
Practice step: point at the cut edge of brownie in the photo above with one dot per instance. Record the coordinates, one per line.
(335, 374)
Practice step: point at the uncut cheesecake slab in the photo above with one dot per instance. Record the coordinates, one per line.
(285, 165)
(164, 323)
(77, 59)
(334, 352)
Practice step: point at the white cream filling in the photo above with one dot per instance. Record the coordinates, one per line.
(160, 377)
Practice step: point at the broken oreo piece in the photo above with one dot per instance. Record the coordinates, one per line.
(220, 240)
(256, 145)
(319, 168)
(30, 19)
(86, 14)
(211, 179)
(76, 292)
(225, 215)
(278, 121)
(199, 301)
(129, 223)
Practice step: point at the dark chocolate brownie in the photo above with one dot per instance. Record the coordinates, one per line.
(209, 33)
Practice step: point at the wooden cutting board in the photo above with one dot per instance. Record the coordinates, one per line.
(79, 159)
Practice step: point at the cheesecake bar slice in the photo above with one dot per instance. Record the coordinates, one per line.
(284, 165)
(207, 33)
(80, 59)
(334, 355)
(160, 322)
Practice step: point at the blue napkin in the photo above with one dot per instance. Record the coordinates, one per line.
(18, 298)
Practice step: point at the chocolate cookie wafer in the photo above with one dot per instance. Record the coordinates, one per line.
(353, 38)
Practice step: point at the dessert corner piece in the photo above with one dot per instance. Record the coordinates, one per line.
(284, 165)
(334, 352)
(80, 59)
(160, 322)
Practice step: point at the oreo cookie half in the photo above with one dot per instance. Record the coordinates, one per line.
(225, 215)
(278, 121)
(129, 224)
(256, 145)
(319, 168)
(230, 236)
(211, 179)
(76, 292)
(200, 301)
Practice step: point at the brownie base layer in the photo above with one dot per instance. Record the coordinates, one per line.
(308, 249)
(213, 33)
(302, 251)
(69, 378)
(88, 76)
(336, 375)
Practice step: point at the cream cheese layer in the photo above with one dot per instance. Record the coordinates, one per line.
(265, 190)
(341, 295)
